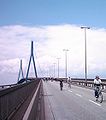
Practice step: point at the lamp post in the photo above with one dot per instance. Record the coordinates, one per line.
(54, 69)
(65, 50)
(85, 52)
(58, 66)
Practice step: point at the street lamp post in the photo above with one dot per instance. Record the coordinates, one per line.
(58, 66)
(54, 69)
(65, 50)
(85, 52)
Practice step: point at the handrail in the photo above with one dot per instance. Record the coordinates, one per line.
(83, 83)
(6, 86)
(87, 84)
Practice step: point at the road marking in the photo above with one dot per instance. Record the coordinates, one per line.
(70, 91)
(79, 95)
(95, 102)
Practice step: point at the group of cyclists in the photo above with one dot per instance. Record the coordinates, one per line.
(97, 87)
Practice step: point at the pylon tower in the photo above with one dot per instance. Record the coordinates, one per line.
(20, 71)
(31, 57)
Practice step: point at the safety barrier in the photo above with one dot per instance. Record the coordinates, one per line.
(35, 110)
(88, 84)
(81, 82)
(7, 86)
(12, 98)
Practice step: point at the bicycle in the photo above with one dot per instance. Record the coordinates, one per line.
(61, 88)
(69, 85)
(99, 95)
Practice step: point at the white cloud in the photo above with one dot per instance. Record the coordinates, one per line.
(11, 65)
(49, 42)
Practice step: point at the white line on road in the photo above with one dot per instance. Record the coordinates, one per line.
(95, 102)
(70, 90)
(79, 95)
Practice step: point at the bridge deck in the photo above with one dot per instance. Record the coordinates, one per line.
(72, 104)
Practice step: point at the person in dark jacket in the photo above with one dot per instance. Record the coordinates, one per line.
(61, 84)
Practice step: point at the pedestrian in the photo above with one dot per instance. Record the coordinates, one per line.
(69, 82)
(61, 84)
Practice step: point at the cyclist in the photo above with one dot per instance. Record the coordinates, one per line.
(61, 84)
(69, 82)
(97, 84)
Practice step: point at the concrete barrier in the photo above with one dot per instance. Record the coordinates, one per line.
(12, 98)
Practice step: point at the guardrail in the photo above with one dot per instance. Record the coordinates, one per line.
(83, 83)
(12, 98)
(7, 86)
(89, 84)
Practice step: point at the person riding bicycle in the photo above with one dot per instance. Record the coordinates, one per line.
(97, 84)
(61, 84)
(69, 82)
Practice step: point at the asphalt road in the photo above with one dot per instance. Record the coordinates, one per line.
(72, 104)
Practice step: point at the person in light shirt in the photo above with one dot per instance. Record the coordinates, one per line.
(69, 82)
(97, 83)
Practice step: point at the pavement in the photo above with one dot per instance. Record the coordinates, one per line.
(76, 103)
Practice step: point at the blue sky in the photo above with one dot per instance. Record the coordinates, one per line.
(53, 25)
(51, 12)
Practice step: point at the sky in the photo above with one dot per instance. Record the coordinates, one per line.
(53, 12)
(53, 25)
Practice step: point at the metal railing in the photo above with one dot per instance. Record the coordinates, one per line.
(7, 86)
(81, 82)
(89, 84)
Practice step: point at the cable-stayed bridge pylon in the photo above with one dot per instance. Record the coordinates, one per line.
(31, 58)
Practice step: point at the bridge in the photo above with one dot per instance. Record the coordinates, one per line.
(41, 99)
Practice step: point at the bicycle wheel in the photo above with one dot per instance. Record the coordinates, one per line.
(61, 88)
(100, 99)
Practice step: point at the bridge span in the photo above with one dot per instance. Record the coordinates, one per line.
(43, 100)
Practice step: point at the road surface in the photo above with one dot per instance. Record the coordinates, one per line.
(76, 103)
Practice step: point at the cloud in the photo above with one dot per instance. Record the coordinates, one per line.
(9, 65)
(49, 42)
